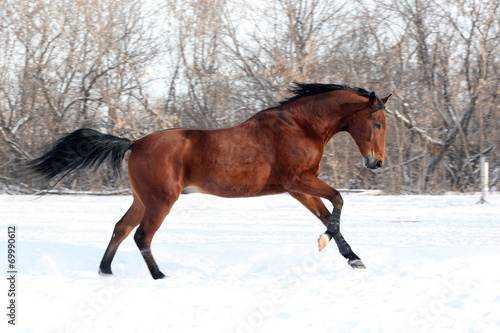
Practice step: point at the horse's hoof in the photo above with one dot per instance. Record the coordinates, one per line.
(159, 276)
(323, 241)
(105, 272)
(356, 263)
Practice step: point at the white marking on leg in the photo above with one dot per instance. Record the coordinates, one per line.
(323, 240)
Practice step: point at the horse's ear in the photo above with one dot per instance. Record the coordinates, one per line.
(385, 99)
(373, 99)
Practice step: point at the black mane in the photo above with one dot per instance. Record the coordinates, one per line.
(310, 89)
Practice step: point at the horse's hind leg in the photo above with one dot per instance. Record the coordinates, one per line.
(151, 222)
(127, 223)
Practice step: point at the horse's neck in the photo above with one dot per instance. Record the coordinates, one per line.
(329, 113)
(323, 121)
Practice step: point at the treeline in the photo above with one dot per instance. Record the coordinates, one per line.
(131, 67)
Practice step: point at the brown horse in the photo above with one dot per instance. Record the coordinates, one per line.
(277, 150)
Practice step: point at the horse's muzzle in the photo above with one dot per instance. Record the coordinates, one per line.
(372, 163)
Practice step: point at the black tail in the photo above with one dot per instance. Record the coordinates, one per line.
(83, 149)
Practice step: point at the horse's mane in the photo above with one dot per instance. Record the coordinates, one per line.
(310, 89)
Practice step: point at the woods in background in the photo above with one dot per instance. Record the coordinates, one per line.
(131, 67)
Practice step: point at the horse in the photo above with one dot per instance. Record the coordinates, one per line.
(275, 151)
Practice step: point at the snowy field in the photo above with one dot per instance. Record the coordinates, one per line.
(252, 265)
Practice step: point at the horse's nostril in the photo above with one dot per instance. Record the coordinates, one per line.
(378, 164)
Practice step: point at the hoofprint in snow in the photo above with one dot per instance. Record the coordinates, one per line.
(252, 265)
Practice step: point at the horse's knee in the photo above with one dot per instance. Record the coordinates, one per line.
(337, 200)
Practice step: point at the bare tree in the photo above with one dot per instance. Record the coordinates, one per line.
(442, 49)
(68, 65)
(130, 67)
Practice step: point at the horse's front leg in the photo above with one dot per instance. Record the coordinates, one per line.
(333, 231)
(309, 184)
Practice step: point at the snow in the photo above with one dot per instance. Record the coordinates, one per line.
(252, 265)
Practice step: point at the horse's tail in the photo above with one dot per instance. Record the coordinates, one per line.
(80, 150)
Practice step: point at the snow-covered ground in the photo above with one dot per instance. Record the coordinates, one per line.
(252, 265)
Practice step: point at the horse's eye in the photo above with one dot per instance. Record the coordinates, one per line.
(377, 126)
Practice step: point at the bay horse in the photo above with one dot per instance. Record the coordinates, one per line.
(275, 151)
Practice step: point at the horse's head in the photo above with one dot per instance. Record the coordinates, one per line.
(367, 128)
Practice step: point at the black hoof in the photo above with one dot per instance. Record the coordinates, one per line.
(105, 271)
(356, 263)
(159, 276)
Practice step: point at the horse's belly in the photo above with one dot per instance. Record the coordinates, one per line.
(235, 191)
